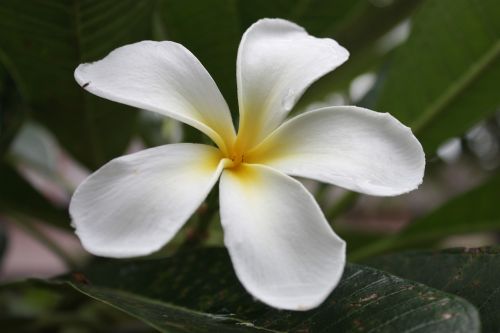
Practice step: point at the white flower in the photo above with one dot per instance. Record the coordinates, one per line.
(282, 248)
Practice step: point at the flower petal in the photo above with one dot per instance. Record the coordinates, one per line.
(282, 248)
(352, 147)
(277, 61)
(163, 77)
(135, 204)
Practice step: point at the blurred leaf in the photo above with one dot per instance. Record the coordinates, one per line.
(36, 150)
(251, 11)
(359, 29)
(3, 79)
(36, 147)
(473, 211)
(372, 20)
(198, 292)
(17, 196)
(12, 112)
(445, 77)
(44, 41)
(317, 16)
(468, 273)
(3, 242)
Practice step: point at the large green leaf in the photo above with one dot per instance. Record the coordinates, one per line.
(473, 211)
(198, 292)
(42, 42)
(469, 273)
(445, 77)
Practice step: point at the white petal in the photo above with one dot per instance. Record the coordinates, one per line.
(282, 248)
(352, 147)
(277, 61)
(135, 204)
(163, 77)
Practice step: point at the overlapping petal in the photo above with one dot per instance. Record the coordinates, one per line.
(163, 77)
(135, 204)
(281, 246)
(277, 61)
(352, 147)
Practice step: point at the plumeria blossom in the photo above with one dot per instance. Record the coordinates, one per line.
(281, 246)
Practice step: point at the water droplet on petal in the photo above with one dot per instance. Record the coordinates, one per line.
(288, 100)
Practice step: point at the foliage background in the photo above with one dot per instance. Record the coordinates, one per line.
(433, 64)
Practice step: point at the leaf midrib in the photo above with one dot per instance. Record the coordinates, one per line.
(153, 301)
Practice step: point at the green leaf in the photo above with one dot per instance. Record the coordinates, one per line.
(17, 196)
(444, 78)
(44, 41)
(198, 292)
(473, 211)
(468, 273)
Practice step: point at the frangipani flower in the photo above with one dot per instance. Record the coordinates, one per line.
(282, 248)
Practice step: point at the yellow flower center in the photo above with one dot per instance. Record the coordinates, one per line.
(239, 153)
(236, 156)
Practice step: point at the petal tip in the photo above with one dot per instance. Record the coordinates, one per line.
(78, 74)
(277, 20)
